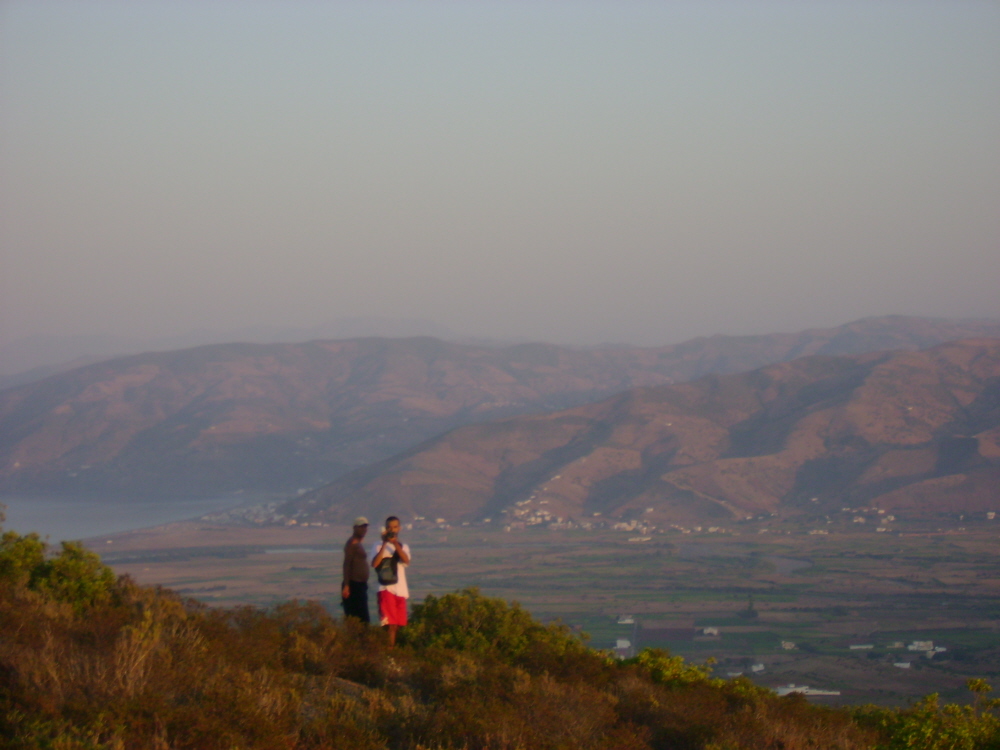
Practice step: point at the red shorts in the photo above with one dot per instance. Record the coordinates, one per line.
(391, 608)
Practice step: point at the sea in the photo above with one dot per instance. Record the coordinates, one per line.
(71, 518)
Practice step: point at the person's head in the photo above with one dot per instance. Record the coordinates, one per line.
(391, 526)
(360, 527)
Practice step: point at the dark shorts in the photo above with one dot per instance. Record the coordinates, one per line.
(356, 605)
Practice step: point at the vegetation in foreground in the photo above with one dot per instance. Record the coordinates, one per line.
(88, 660)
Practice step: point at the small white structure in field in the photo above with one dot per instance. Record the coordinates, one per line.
(901, 664)
(921, 646)
(804, 689)
(626, 620)
(709, 631)
(788, 645)
(862, 646)
(757, 668)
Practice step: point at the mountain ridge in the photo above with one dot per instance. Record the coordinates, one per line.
(278, 417)
(915, 432)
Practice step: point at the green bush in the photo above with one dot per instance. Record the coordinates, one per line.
(75, 575)
(930, 726)
(20, 556)
(665, 669)
(467, 621)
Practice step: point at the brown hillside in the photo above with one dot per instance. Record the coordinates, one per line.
(285, 416)
(913, 431)
(281, 415)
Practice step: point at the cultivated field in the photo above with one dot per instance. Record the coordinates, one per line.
(822, 593)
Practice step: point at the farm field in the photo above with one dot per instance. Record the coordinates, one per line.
(792, 602)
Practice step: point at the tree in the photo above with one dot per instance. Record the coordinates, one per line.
(75, 575)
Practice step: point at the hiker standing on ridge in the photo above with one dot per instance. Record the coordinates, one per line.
(354, 588)
(390, 560)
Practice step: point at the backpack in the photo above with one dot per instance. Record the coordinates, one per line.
(387, 571)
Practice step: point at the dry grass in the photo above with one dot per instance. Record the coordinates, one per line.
(141, 668)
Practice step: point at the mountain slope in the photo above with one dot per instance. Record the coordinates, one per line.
(284, 416)
(918, 431)
(279, 415)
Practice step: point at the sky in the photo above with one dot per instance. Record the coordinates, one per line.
(576, 172)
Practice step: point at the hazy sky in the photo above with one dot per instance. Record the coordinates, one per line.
(575, 171)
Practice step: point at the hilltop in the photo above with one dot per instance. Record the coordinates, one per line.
(279, 417)
(915, 433)
(88, 660)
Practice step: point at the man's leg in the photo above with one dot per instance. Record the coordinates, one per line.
(356, 605)
(392, 609)
(360, 593)
(349, 608)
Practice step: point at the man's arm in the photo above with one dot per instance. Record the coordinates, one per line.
(381, 554)
(404, 556)
(345, 585)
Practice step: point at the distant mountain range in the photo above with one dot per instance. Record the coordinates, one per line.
(279, 417)
(32, 357)
(917, 433)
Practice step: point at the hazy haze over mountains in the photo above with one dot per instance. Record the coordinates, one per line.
(280, 417)
(576, 173)
(29, 358)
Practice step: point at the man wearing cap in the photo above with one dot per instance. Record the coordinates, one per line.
(354, 589)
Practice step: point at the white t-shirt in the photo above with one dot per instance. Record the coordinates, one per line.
(398, 588)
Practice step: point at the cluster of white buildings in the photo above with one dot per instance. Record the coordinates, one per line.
(698, 529)
(927, 648)
(642, 527)
(259, 515)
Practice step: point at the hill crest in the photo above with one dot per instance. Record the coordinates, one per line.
(914, 432)
(280, 417)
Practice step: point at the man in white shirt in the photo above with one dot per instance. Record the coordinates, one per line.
(392, 594)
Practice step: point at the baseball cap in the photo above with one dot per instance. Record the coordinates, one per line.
(360, 521)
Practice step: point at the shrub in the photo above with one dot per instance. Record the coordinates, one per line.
(930, 726)
(467, 621)
(19, 557)
(665, 669)
(75, 575)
